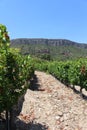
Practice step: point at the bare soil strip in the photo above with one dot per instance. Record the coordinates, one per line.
(50, 105)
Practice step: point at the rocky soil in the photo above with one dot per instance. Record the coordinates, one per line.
(50, 105)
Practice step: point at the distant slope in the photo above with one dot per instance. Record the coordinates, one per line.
(59, 49)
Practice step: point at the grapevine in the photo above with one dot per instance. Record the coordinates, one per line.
(15, 73)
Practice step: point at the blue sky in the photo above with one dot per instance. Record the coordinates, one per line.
(60, 19)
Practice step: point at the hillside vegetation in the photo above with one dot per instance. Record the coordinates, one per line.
(51, 49)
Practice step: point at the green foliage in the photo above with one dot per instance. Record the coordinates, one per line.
(15, 72)
(41, 65)
(45, 56)
(69, 72)
(55, 49)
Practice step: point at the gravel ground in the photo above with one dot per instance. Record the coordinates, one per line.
(50, 105)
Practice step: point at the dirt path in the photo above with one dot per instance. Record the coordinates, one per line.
(51, 106)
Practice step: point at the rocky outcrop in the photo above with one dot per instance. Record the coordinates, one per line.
(57, 48)
(55, 42)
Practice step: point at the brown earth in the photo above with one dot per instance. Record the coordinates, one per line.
(50, 105)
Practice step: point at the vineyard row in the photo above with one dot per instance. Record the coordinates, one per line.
(69, 72)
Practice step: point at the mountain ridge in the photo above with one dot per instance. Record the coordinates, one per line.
(62, 48)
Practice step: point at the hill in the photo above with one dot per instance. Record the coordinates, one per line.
(54, 49)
